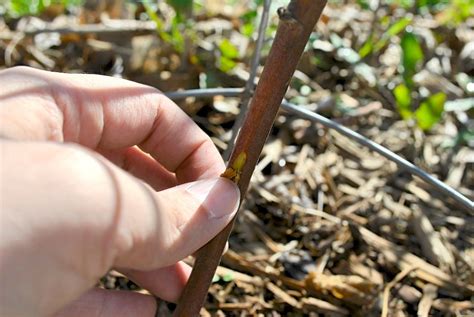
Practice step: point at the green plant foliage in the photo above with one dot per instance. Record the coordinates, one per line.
(215, 278)
(374, 45)
(457, 12)
(368, 47)
(182, 8)
(173, 36)
(406, 4)
(228, 54)
(26, 7)
(177, 34)
(18, 8)
(225, 64)
(160, 28)
(364, 4)
(398, 26)
(403, 99)
(466, 136)
(393, 30)
(229, 277)
(228, 49)
(248, 26)
(430, 111)
(436, 4)
(412, 55)
(181, 5)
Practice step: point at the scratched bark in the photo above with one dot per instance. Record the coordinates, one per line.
(296, 24)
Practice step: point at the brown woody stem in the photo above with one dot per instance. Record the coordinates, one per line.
(296, 24)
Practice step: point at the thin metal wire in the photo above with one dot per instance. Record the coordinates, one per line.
(401, 162)
(204, 93)
(249, 85)
(362, 140)
(259, 44)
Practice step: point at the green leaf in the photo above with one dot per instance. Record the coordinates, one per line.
(456, 12)
(173, 36)
(181, 7)
(228, 277)
(229, 53)
(398, 26)
(466, 136)
(393, 30)
(367, 48)
(403, 98)
(19, 8)
(160, 27)
(181, 4)
(226, 64)
(177, 37)
(406, 4)
(412, 54)
(436, 4)
(364, 4)
(228, 49)
(247, 29)
(430, 111)
(27, 7)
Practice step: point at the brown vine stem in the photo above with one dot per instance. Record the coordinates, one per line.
(297, 21)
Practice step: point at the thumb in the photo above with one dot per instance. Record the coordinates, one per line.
(184, 218)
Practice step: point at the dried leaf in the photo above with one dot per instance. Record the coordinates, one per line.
(349, 288)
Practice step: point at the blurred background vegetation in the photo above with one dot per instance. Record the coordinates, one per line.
(399, 47)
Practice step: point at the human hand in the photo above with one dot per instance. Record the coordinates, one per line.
(71, 209)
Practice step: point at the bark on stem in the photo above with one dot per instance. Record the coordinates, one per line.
(296, 24)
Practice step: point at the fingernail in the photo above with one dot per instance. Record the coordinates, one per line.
(219, 196)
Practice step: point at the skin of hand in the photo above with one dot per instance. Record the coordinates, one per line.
(99, 173)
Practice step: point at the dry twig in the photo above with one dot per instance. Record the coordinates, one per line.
(386, 292)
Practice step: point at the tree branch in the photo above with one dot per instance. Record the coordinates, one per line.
(296, 24)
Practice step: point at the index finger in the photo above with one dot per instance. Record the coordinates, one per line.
(111, 113)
